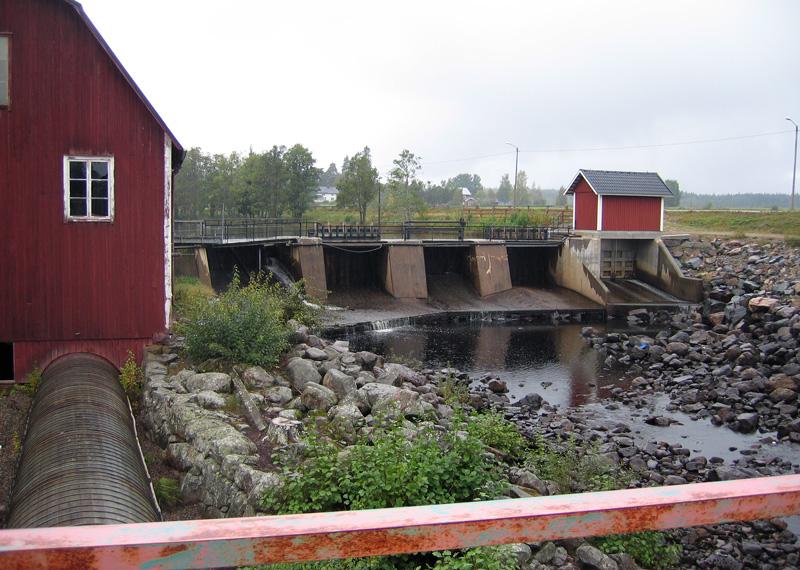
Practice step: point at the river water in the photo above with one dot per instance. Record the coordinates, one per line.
(555, 362)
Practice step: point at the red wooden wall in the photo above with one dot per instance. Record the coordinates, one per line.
(68, 282)
(631, 213)
(585, 207)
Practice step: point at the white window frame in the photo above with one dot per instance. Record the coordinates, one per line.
(88, 217)
(5, 71)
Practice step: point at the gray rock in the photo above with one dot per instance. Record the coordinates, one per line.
(302, 372)
(595, 559)
(214, 381)
(342, 384)
(257, 378)
(278, 395)
(347, 413)
(318, 397)
(405, 403)
(374, 392)
(209, 400)
(316, 354)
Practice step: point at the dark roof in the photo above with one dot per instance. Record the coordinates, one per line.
(612, 183)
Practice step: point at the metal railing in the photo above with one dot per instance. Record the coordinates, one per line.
(236, 230)
(325, 536)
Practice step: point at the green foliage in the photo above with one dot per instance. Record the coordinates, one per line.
(359, 184)
(404, 186)
(167, 491)
(384, 469)
(649, 549)
(32, 381)
(495, 431)
(780, 223)
(131, 378)
(576, 467)
(486, 558)
(245, 324)
(187, 291)
(454, 391)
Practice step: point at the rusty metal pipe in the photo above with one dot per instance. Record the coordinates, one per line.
(323, 536)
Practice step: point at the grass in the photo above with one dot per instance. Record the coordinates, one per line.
(738, 224)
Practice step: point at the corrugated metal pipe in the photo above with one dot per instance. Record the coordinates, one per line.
(80, 462)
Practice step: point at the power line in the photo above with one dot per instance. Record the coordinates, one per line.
(599, 149)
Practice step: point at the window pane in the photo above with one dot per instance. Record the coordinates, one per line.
(77, 169)
(77, 189)
(77, 207)
(3, 70)
(100, 171)
(100, 207)
(99, 189)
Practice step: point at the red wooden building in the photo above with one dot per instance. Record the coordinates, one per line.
(86, 173)
(618, 201)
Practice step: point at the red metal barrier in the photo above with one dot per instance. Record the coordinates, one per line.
(322, 536)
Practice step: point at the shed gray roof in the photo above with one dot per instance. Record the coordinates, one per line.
(613, 183)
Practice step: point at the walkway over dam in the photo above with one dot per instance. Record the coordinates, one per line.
(618, 271)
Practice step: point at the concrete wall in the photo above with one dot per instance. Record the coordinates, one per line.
(489, 270)
(308, 262)
(402, 271)
(656, 266)
(570, 268)
(193, 263)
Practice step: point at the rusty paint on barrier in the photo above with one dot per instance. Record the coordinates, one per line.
(321, 536)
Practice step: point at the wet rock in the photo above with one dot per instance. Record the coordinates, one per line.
(594, 558)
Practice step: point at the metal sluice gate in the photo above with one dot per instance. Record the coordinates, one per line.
(80, 462)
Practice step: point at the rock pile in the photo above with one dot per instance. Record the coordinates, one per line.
(734, 363)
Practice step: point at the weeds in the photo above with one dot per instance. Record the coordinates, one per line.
(131, 378)
(167, 491)
(650, 548)
(33, 381)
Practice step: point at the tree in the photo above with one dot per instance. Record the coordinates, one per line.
(359, 184)
(190, 184)
(561, 197)
(262, 187)
(330, 177)
(675, 188)
(404, 187)
(301, 179)
(505, 191)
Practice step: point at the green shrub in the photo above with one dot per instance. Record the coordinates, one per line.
(131, 378)
(454, 391)
(576, 467)
(245, 324)
(383, 469)
(187, 291)
(33, 381)
(167, 491)
(495, 431)
(649, 549)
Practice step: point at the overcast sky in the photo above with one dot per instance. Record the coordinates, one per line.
(697, 91)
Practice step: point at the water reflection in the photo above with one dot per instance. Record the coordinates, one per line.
(553, 361)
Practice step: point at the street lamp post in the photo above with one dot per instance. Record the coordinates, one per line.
(794, 170)
(516, 166)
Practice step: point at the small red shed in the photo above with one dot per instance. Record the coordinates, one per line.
(86, 176)
(618, 201)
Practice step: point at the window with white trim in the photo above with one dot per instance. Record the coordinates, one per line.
(89, 188)
(5, 96)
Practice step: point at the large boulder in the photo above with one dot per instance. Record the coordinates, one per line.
(302, 372)
(318, 397)
(342, 384)
(213, 381)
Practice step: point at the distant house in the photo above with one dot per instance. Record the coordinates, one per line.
(618, 201)
(326, 194)
(86, 177)
(466, 197)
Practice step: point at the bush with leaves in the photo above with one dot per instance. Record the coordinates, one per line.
(650, 549)
(391, 465)
(245, 324)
